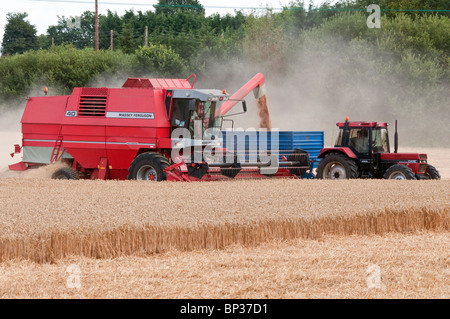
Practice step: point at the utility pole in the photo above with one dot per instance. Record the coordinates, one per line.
(96, 25)
(112, 40)
(146, 37)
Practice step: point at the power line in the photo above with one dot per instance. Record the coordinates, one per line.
(236, 8)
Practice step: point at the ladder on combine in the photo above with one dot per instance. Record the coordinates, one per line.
(58, 150)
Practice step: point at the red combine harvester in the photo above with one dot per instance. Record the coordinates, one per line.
(134, 131)
(362, 151)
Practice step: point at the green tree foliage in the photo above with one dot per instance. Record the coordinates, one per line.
(401, 70)
(169, 7)
(160, 61)
(410, 7)
(60, 67)
(20, 35)
(80, 36)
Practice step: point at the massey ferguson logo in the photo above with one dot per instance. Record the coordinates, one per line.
(71, 113)
(130, 115)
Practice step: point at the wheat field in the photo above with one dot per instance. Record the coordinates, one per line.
(43, 220)
(271, 238)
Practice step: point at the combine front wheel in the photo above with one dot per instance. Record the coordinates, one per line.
(399, 172)
(65, 173)
(148, 166)
(337, 166)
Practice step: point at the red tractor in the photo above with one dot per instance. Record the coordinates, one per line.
(362, 151)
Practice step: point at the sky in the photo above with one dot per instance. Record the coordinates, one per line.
(44, 13)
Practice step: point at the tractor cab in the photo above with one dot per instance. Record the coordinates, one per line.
(366, 140)
(362, 151)
(364, 137)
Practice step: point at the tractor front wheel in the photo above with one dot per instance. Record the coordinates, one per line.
(148, 166)
(432, 173)
(336, 166)
(399, 172)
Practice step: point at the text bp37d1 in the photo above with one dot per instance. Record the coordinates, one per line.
(228, 308)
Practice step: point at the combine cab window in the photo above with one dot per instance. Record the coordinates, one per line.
(196, 116)
(203, 118)
(380, 140)
(180, 113)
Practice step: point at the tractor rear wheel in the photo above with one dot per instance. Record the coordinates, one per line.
(336, 166)
(148, 166)
(399, 172)
(65, 173)
(432, 173)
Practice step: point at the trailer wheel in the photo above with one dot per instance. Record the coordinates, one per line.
(399, 172)
(432, 173)
(148, 166)
(65, 173)
(337, 166)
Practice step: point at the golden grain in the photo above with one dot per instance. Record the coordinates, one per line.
(44, 220)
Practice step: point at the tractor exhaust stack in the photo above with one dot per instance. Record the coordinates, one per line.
(396, 138)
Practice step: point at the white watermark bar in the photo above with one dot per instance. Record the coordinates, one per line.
(250, 147)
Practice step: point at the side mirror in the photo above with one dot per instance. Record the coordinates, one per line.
(244, 106)
(191, 105)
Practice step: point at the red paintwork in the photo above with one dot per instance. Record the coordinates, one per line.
(255, 82)
(92, 139)
(345, 150)
(21, 166)
(405, 156)
(178, 173)
(363, 124)
(406, 159)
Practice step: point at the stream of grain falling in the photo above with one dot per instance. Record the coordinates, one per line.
(264, 113)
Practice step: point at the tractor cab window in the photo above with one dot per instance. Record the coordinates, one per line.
(380, 140)
(359, 139)
(339, 138)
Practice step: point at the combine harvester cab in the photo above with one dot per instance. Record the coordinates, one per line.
(132, 133)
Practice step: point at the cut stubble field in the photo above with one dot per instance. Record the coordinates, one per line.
(408, 266)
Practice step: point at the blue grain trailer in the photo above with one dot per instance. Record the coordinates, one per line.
(250, 144)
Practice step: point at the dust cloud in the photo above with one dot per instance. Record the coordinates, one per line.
(329, 80)
(10, 134)
(325, 82)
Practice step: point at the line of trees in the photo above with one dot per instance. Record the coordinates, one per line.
(324, 56)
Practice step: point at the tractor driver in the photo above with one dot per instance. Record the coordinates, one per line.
(361, 142)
